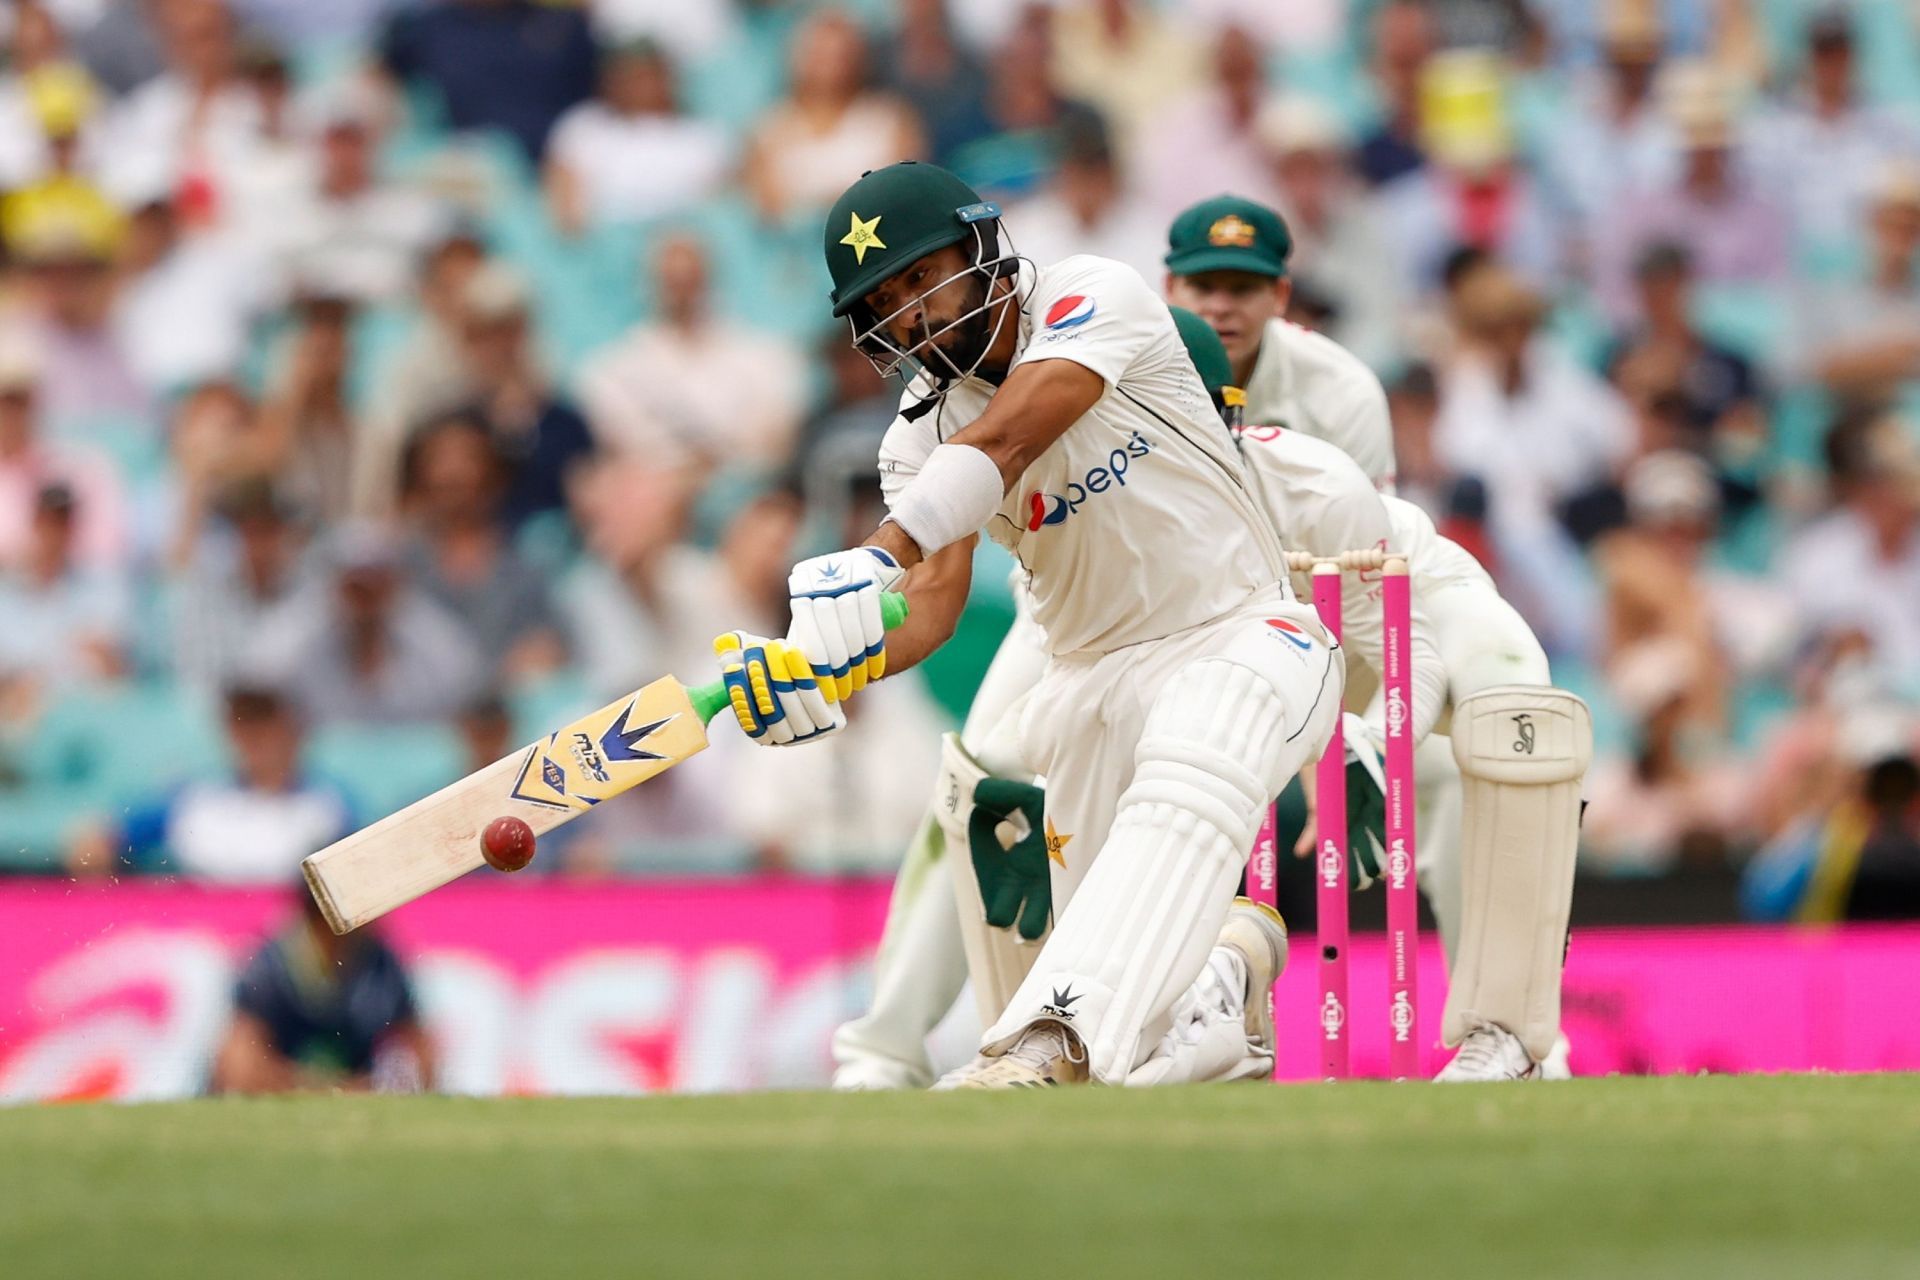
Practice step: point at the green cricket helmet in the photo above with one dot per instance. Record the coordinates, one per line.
(883, 224)
(1210, 360)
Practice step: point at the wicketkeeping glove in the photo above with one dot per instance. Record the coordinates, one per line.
(1016, 886)
(1366, 801)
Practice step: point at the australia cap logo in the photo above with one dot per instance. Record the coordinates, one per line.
(1232, 231)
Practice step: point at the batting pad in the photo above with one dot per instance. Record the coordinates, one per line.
(1142, 922)
(1523, 752)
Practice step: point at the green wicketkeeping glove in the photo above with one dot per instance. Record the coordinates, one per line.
(1366, 802)
(1016, 885)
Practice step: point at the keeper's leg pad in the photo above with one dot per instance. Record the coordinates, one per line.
(1523, 752)
(997, 959)
(1221, 737)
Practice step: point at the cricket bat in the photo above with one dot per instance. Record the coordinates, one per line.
(548, 783)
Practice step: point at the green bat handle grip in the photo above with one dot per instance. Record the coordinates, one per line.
(709, 700)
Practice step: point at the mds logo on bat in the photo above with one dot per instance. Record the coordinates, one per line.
(1053, 508)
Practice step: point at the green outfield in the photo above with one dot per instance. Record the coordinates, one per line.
(1806, 1176)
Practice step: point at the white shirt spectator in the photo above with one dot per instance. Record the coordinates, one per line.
(710, 390)
(1849, 152)
(1563, 430)
(206, 279)
(636, 167)
(1837, 568)
(367, 244)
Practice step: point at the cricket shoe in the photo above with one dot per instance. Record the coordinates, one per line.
(1256, 934)
(1489, 1053)
(1558, 1064)
(1046, 1053)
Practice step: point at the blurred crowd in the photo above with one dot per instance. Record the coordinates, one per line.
(383, 382)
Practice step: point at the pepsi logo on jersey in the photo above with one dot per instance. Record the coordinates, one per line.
(1052, 508)
(1070, 312)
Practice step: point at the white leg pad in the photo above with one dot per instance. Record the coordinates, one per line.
(1217, 743)
(1522, 751)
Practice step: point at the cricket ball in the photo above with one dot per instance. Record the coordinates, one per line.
(507, 844)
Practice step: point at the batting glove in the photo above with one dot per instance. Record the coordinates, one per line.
(836, 617)
(772, 691)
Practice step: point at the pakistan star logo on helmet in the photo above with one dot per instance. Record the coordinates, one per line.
(862, 237)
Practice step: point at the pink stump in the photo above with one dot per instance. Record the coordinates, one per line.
(1403, 897)
(1330, 860)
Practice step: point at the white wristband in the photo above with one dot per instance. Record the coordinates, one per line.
(955, 494)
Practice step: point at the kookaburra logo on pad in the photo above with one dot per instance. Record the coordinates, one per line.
(1523, 724)
(1062, 1003)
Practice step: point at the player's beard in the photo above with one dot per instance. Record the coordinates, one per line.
(964, 344)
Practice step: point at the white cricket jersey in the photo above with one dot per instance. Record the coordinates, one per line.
(1139, 521)
(1309, 383)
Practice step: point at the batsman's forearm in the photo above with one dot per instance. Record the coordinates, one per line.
(936, 589)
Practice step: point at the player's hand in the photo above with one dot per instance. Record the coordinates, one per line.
(836, 617)
(772, 691)
(1366, 803)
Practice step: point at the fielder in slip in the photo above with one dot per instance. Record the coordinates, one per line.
(1055, 407)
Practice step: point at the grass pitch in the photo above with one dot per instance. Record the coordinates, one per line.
(1756, 1177)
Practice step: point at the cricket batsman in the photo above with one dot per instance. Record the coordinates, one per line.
(1236, 253)
(1055, 407)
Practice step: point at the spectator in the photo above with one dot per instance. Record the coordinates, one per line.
(1339, 249)
(218, 441)
(317, 1011)
(306, 411)
(1719, 389)
(1126, 59)
(1515, 411)
(1208, 140)
(1087, 208)
(86, 369)
(1827, 130)
(1733, 233)
(29, 462)
(367, 646)
(1862, 336)
(230, 573)
(632, 154)
(252, 828)
(191, 129)
(506, 65)
(1660, 606)
(941, 81)
(57, 187)
(1612, 139)
(362, 234)
(1023, 111)
(426, 375)
(831, 126)
(1474, 192)
(1403, 43)
(1861, 562)
(66, 623)
(167, 276)
(452, 480)
(43, 95)
(540, 434)
(690, 388)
